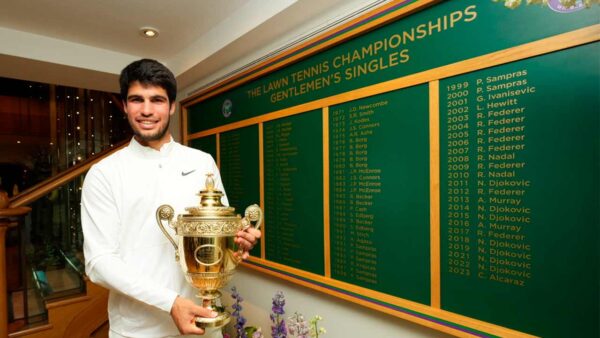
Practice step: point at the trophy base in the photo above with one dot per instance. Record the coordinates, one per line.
(219, 321)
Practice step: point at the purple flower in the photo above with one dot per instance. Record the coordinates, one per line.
(278, 329)
(240, 321)
(278, 303)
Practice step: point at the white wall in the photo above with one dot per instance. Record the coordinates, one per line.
(342, 319)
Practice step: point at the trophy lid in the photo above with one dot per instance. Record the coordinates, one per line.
(210, 201)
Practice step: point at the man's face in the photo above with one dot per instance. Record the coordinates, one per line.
(148, 110)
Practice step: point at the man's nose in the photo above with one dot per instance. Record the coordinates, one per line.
(146, 108)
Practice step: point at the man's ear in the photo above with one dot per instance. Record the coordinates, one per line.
(172, 109)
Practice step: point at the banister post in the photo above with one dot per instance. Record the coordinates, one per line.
(7, 220)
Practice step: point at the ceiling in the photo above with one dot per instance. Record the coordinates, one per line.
(86, 43)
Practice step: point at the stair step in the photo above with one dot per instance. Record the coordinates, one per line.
(82, 314)
(29, 330)
(55, 303)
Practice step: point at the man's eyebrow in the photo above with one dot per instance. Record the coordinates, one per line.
(153, 97)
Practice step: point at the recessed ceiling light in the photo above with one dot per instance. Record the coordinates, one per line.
(149, 32)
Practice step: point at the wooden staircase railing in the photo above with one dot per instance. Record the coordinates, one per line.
(39, 190)
(78, 316)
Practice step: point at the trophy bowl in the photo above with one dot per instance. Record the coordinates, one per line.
(205, 248)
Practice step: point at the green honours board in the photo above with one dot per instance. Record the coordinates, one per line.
(293, 160)
(239, 169)
(519, 193)
(207, 144)
(379, 193)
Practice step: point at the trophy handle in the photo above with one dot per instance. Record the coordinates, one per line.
(254, 214)
(165, 212)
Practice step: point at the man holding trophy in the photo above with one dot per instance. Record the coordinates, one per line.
(125, 251)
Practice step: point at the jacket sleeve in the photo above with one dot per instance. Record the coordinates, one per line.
(103, 264)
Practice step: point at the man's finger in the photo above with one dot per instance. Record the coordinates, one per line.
(245, 243)
(250, 235)
(193, 329)
(254, 232)
(204, 312)
(243, 254)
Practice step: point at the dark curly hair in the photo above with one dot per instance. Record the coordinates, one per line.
(148, 72)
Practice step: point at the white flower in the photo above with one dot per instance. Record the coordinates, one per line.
(512, 4)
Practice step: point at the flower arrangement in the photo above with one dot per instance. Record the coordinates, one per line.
(278, 329)
(315, 330)
(240, 322)
(296, 325)
(565, 3)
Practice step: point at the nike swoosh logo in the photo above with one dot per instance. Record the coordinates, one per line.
(185, 173)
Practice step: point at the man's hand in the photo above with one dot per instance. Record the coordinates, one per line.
(184, 313)
(246, 239)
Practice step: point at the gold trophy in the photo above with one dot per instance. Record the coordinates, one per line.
(205, 248)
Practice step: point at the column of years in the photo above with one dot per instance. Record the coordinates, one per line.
(355, 185)
(458, 188)
(340, 192)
